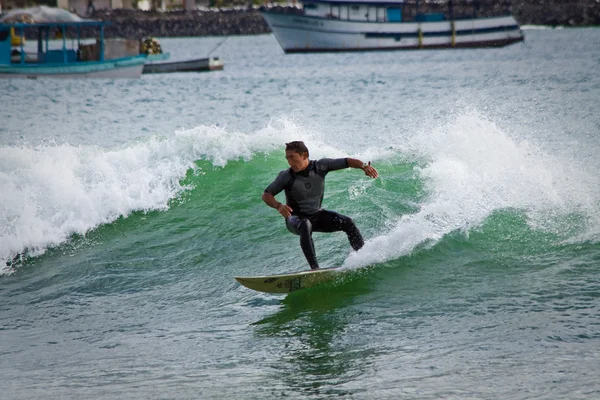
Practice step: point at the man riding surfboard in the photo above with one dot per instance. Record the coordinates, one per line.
(304, 186)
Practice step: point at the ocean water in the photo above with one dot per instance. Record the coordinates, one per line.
(127, 207)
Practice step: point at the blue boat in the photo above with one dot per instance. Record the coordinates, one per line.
(72, 60)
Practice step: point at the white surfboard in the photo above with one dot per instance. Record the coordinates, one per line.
(285, 283)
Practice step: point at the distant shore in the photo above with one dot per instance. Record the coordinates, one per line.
(135, 24)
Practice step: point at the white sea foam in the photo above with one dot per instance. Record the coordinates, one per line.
(53, 191)
(473, 168)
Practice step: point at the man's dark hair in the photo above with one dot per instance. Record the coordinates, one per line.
(297, 146)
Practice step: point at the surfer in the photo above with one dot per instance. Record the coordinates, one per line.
(304, 185)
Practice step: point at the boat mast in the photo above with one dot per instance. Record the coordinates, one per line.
(22, 33)
(101, 42)
(64, 40)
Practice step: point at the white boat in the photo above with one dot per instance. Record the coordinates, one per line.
(361, 25)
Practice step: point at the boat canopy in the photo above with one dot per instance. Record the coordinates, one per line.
(22, 25)
(40, 14)
(12, 34)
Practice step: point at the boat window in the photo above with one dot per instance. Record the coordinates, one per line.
(394, 14)
(3, 35)
(310, 6)
(336, 12)
(355, 10)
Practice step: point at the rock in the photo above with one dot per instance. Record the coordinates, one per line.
(140, 24)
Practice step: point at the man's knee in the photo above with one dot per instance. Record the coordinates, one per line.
(298, 226)
(344, 222)
(305, 226)
(293, 224)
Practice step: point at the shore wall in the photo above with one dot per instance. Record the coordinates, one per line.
(135, 24)
(557, 12)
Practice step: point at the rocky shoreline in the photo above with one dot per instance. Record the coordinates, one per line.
(557, 13)
(135, 24)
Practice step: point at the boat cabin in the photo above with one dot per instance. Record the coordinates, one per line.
(49, 50)
(361, 10)
(387, 10)
(46, 42)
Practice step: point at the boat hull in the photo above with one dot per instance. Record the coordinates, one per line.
(196, 65)
(298, 33)
(128, 68)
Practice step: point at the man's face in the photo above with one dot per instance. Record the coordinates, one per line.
(297, 162)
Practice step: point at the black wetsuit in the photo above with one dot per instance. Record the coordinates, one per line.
(304, 194)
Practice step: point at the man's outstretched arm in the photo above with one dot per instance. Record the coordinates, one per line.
(369, 170)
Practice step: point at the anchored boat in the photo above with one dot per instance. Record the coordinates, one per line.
(194, 65)
(360, 25)
(61, 53)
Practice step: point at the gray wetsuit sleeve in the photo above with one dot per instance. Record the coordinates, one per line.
(332, 164)
(279, 183)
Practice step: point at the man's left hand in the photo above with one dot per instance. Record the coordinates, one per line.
(370, 171)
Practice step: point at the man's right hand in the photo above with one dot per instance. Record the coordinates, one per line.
(284, 210)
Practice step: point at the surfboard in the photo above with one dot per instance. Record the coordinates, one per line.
(286, 283)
